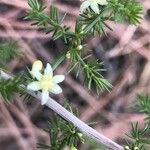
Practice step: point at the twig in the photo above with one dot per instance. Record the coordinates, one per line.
(87, 130)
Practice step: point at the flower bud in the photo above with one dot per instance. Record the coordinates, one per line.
(68, 55)
(73, 148)
(79, 47)
(80, 135)
(82, 32)
(37, 65)
(127, 148)
(136, 148)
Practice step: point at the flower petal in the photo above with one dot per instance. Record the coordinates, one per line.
(102, 2)
(34, 86)
(84, 6)
(48, 70)
(36, 74)
(45, 97)
(56, 89)
(95, 8)
(58, 78)
(37, 66)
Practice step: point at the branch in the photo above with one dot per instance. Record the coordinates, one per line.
(83, 127)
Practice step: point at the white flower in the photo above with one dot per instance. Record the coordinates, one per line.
(45, 82)
(93, 4)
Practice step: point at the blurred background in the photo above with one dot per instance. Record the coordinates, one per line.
(125, 52)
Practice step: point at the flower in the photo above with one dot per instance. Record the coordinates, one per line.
(45, 82)
(80, 135)
(93, 4)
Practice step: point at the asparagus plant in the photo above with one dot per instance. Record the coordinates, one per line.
(92, 20)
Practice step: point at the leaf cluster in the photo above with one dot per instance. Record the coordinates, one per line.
(92, 71)
(9, 87)
(87, 23)
(51, 22)
(117, 10)
(126, 11)
(17, 84)
(138, 135)
(143, 105)
(61, 134)
(95, 23)
(8, 50)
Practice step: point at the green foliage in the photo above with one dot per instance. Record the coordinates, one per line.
(143, 105)
(58, 60)
(92, 70)
(93, 23)
(53, 23)
(117, 10)
(14, 85)
(138, 136)
(50, 23)
(126, 10)
(9, 87)
(88, 22)
(8, 50)
(61, 134)
(93, 76)
(60, 131)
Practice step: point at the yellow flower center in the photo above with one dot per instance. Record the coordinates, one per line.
(46, 83)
